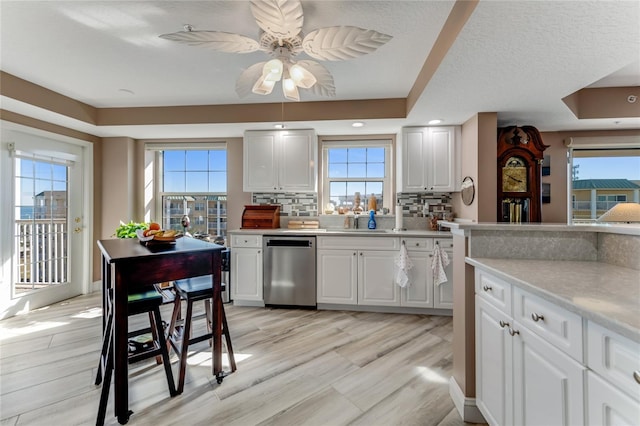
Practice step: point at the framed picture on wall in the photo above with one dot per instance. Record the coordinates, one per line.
(546, 193)
(546, 165)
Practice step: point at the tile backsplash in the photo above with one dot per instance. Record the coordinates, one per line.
(306, 204)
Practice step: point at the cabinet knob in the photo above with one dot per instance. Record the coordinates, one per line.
(537, 317)
(636, 375)
(487, 288)
(504, 324)
(513, 332)
(354, 253)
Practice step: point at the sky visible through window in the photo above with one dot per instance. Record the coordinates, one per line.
(608, 168)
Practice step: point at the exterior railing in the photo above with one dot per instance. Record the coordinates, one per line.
(600, 205)
(42, 253)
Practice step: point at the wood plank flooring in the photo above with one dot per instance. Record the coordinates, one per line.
(295, 367)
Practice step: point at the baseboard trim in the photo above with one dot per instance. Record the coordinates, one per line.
(466, 406)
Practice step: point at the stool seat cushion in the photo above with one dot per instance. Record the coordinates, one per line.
(195, 287)
(143, 301)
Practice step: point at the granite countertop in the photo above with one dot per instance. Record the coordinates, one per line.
(612, 228)
(347, 232)
(606, 294)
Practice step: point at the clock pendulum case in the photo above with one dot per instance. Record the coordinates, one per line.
(520, 154)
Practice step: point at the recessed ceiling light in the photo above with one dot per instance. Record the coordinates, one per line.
(436, 121)
(279, 126)
(357, 124)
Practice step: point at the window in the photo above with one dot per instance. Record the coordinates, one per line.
(602, 178)
(351, 167)
(193, 182)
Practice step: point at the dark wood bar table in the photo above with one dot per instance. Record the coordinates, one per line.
(128, 267)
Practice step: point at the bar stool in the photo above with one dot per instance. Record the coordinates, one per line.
(179, 335)
(138, 303)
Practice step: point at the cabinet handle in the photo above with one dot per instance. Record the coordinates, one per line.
(258, 251)
(636, 375)
(537, 317)
(513, 332)
(360, 254)
(354, 253)
(487, 288)
(504, 324)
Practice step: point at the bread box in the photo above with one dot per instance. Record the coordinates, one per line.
(261, 217)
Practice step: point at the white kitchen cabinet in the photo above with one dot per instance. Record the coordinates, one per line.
(494, 384)
(443, 292)
(357, 270)
(376, 278)
(548, 385)
(607, 405)
(521, 378)
(422, 291)
(337, 276)
(429, 159)
(246, 268)
(280, 161)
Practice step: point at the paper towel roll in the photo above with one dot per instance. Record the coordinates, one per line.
(398, 218)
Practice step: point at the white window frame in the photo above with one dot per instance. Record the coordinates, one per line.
(385, 141)
(158, 148)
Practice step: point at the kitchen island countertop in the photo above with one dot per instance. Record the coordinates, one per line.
(606, 294)
(347, 232)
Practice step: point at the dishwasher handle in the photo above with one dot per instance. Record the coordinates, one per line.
(289, 243)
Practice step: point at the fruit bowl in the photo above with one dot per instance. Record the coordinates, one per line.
(158, 237)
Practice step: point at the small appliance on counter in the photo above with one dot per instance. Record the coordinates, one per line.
(261, 217)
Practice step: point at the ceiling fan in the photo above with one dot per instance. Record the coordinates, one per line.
(281, 37)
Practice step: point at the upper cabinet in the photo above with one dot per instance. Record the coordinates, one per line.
(429, 159)
(280, 161)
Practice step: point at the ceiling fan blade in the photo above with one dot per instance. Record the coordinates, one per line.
(340, 43)
(216, 40)
(324, 80)
(281, 18)
(248, 78)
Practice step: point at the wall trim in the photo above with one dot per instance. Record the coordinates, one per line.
(466, 407)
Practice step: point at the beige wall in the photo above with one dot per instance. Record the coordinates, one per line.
(236, 198)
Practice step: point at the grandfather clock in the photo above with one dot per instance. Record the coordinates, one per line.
(520, 154)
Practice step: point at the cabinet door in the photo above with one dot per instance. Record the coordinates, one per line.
(548, 386)
(443, 293)
(607, 405)
(337, 276)
(298, 153)
(413, 160)
(419, 293)
(441, 162)
(494, 384)
(376, 276)
(260, 162)
(246, 274)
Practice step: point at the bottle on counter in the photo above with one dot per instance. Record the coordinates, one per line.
(373, 203)
(372, 219)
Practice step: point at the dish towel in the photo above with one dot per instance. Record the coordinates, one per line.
(440, 262)
(403, 265)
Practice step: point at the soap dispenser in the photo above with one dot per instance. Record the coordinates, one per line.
(372, 220)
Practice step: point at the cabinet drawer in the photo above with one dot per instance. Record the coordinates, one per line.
(445, 243)
(556, 325)
(615, 358)
(238, 240)
(494, 290)
(359, 243)
(418, 244)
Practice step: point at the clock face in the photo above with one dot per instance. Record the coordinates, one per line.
(514, 175)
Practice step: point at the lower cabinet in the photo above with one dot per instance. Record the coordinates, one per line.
(521, 378)
(354, 277)
(246, 268)
(608, 405)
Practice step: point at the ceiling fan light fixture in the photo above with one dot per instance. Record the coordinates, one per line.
(290, 89)
(302, 77)
(263, 86)
(272, 70)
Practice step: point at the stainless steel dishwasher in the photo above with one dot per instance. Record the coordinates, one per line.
(289, 271)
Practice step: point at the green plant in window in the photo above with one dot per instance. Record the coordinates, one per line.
(128, 230)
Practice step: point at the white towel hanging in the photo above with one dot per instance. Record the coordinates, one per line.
(403, 265)
(440, 262)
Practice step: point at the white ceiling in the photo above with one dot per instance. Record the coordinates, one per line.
(517, 58)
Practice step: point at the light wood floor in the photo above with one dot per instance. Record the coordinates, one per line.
(294, 367)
